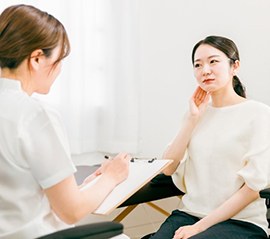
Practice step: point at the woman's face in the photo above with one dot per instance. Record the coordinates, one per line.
(48, 72)
(212, 68)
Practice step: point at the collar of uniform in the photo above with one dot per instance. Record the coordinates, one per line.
(10, 84)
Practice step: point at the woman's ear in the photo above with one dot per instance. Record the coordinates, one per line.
(236, 66)
(36, 58)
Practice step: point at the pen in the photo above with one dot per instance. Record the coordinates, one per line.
(107, 157)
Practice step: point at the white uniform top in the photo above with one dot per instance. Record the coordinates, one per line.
(229, 147)
(34, 155)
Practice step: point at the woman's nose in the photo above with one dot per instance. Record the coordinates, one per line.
(206, 69)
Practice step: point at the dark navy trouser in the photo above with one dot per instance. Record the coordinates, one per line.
(230, 229)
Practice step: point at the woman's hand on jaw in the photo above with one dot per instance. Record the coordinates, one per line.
(198, 102)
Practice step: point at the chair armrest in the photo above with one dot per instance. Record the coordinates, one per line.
(99, 230)
(265, 193)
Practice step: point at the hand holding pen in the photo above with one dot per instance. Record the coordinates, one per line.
(116, 169)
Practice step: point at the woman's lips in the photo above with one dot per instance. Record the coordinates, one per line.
(207, 81)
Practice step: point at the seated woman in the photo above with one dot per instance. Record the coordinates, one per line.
(221, 153)
(38, 191)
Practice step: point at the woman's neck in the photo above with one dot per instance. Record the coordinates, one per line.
(17, 75)
(226, 98)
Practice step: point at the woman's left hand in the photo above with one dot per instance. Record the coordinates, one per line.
(186, 232)
(199, 101)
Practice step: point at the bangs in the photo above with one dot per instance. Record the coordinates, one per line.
(64, 44)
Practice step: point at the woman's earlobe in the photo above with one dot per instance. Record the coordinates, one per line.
(34, 63)
(35, 58)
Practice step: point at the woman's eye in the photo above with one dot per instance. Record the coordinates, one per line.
(213, 61)
(197, 65)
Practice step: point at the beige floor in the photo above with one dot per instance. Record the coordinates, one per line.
(142, 220)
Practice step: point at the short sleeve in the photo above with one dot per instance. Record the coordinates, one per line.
(45, 148)
(255, 171)
(179, 175)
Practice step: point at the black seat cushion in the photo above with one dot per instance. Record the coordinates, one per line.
(159, 187)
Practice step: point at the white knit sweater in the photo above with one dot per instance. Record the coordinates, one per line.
(229, 147)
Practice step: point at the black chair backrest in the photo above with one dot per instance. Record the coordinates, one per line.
(99, 230)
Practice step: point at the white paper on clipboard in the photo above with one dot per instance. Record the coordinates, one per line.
(140, 173)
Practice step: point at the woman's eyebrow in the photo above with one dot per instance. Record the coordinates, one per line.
(209, 57)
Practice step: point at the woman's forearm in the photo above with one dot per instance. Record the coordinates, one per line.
(72, 204)
(93, 197)
(229, 208)
(177, 148)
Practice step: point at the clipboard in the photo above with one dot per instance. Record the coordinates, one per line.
(140, 173)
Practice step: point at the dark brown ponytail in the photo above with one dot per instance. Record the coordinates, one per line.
(238, 87)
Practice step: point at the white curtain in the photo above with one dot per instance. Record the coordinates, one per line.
(97, 91)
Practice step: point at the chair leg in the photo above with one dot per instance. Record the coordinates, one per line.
(159, 209)
(124, 213)
(129, 209)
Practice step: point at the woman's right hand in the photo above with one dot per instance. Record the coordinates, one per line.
(70, 204)
(116, 169)
(198, 102)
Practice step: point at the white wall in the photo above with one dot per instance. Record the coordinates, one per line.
(168, 31)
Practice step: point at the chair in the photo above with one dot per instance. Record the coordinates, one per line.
(99, 230)
(159, 187)
(266, 194)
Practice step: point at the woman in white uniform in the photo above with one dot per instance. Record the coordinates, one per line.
(38, 191)
(221, 153)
